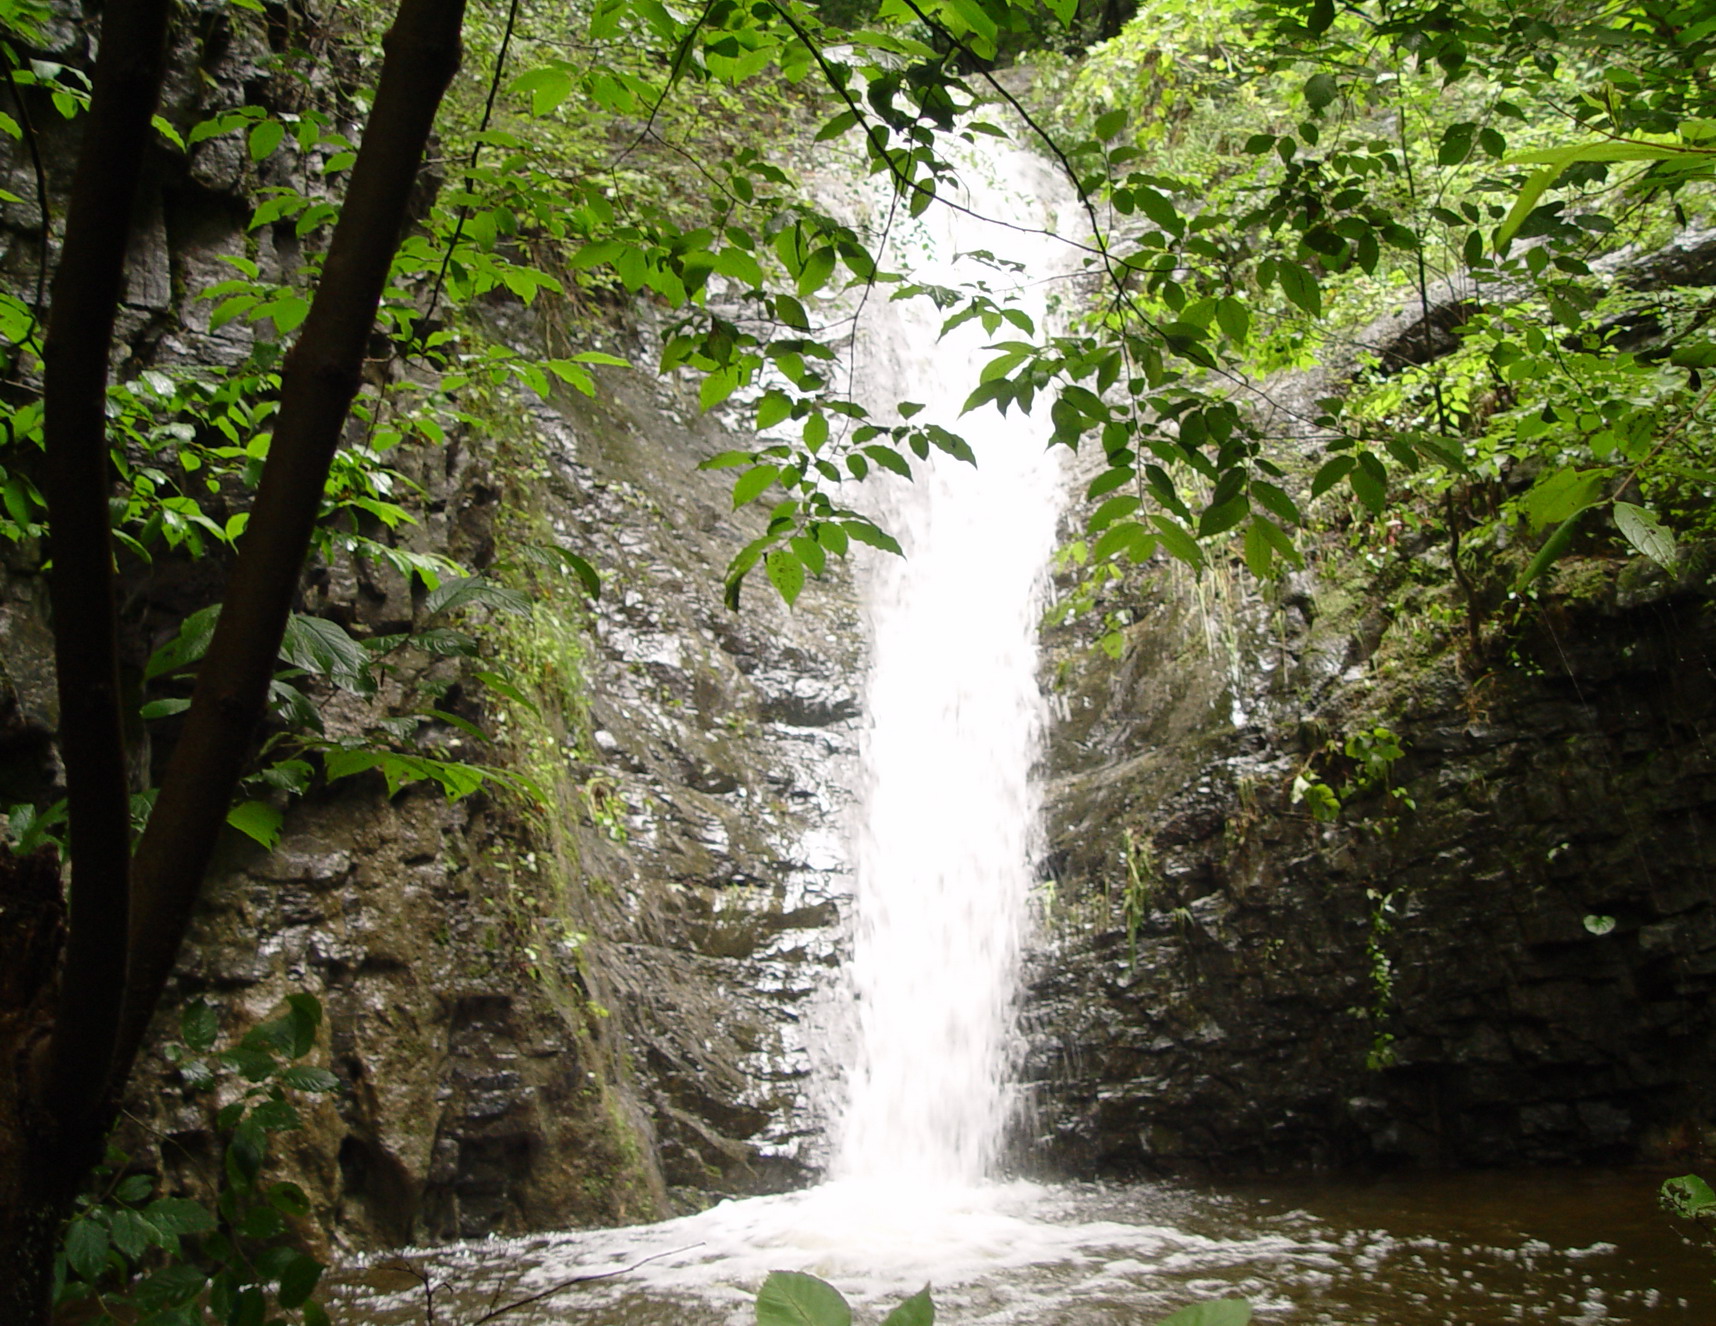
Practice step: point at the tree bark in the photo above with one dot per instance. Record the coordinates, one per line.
(65, 1057)
(32, 1204)
(321, 376)
(78, 479)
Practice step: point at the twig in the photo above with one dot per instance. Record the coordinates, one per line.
(579, 1280)
(9, 56)
(471, 165)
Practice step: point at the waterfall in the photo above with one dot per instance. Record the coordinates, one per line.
(942, 849)
(948, 805)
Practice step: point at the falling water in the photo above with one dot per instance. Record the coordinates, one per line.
(948, 807)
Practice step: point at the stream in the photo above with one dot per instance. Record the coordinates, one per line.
(1579, 1248)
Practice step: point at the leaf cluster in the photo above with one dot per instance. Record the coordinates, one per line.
(135, 1256)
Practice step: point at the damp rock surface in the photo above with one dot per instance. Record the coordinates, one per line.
(1501, 951)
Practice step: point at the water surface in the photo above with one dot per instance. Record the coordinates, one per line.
(1578, 1248)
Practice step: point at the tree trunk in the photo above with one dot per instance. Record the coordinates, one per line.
(78, 481)
(34, 1194)
(320, 377)
(67, 1045)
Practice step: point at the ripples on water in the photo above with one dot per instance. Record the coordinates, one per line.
(1580, 1249)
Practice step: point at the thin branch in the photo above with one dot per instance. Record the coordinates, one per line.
(471, 165)
(10, 57)
(675, 72)
(579, 1280)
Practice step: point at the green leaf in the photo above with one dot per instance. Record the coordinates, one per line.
(1331, 473)
(791, 1298)
(587, 575)
(1122, 504)
(1560, 493)
(1177, 541)
(771, 409)
(1259, 552)
(865, 532)
(1599, 925)
(753, 483)
(303, 1016)
(1275, 500)
(547, 88)
(1456, 143)
(1217, 1312)
(180, 1215)
(86, 1249)
(717, 387)
(1646, 533)
(264, 138)
(837, 126)
(171, 1286)
(1689, 1197)
(917, 1310)
(199, 1024)
(889, 459)
(1320, 17)
(258, 820)
(300, 1078)
(1300, 286)
(134, 1188)
(974, 15)
(299, 1280)
(726, 460)
(1117, 538)
(1234, 318)
(288, 1199)
(818, 267)
(132, 1234)
(474, 591)
(1369, 482)
(1223, 516)
(189, 645)
(1556, 544)
(786, 573)
(1320, 90)
(323, 648)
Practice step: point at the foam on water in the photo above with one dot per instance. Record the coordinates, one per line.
(1021, 1254)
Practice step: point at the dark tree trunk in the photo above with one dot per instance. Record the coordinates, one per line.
(67, 1044)
(32, 1202)
(320, 377)
(78, 475)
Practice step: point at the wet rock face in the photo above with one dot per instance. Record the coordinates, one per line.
(598, 1017)
(1271, 956)
(590, 1014)
(723, 746)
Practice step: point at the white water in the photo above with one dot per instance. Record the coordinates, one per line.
(949, 809)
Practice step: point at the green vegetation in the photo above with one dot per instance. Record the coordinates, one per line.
(1343, 165)
(135, 1256)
